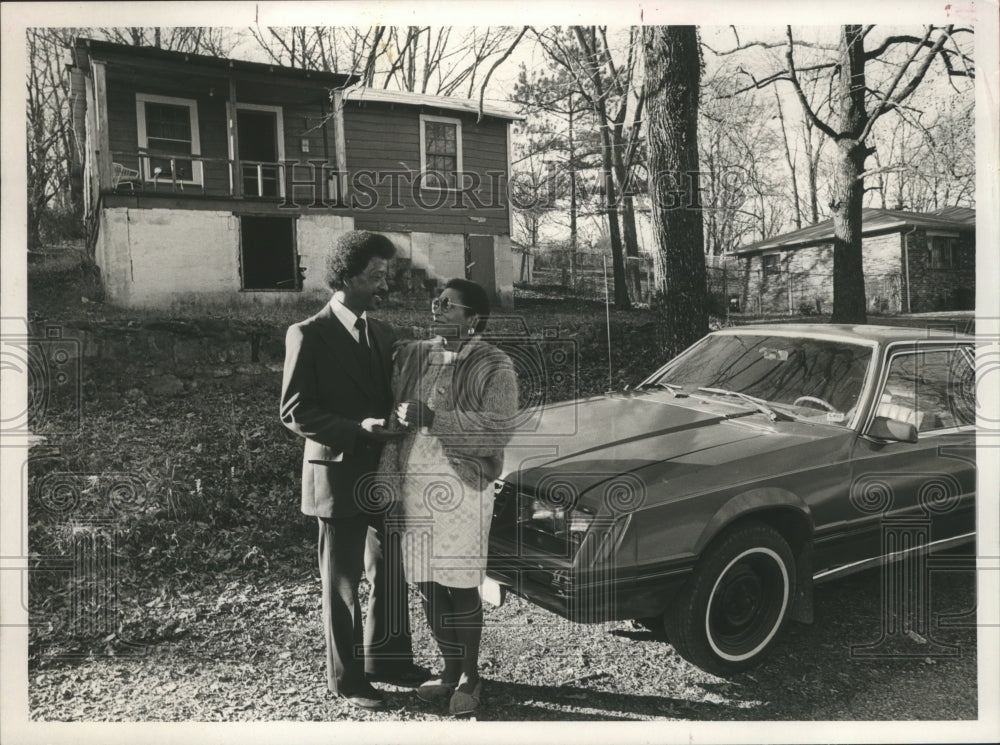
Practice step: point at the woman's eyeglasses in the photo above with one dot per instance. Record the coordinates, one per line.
(443, 303)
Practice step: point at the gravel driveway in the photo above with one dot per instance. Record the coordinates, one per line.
(251, 650)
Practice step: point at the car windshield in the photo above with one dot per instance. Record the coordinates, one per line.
(807, 378)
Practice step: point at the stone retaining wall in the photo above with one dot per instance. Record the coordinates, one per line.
(165, 357)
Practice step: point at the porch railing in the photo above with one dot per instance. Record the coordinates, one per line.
(152, 171)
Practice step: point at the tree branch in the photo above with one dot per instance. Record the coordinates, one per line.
(486, 80)
(780, 75)
(914, 81)
(368, 77)
(887, 100)
(810, 114)
(887, 169)
(907, 39)
(762, 45)
(560, 56)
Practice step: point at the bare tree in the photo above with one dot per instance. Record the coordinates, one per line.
(559, 144)
(48, 124)
(741, 180)
(214, 41)
(928, 160)
(608, 86)
(443, 61)
(856, 104)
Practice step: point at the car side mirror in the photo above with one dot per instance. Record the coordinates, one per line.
(884, 428)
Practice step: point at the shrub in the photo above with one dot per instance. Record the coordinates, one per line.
(59, 226)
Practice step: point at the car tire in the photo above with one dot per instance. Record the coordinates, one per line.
(728, 615)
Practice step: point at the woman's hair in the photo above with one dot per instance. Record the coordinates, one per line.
(473, 295)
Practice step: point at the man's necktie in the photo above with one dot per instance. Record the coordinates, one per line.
(362, 337)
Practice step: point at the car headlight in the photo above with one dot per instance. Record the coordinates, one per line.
(565, 522)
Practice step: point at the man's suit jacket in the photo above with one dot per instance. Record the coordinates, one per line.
(325, 393)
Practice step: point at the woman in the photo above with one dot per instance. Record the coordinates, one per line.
(457, 395)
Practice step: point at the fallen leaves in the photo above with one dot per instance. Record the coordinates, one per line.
(584, 678)
(219, 590)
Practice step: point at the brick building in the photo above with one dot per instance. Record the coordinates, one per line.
(913, 262)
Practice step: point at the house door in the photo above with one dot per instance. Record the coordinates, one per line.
(481, 268)
(258, 138)
(268, 258)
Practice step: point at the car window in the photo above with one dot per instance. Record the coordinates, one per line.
(815, 378)
(930, 389)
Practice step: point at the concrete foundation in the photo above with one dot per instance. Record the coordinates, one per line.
(159, 258)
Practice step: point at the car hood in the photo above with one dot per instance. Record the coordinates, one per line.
(633, 441)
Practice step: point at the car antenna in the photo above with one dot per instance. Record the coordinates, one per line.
(607, 316)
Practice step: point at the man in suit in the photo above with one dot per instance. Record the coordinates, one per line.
(335, 393)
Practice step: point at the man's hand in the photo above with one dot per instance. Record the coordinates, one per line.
(415, 414)
(374, 429)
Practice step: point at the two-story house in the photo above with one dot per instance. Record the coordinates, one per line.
(224, 181)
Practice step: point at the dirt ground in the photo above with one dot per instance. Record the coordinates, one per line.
(248, 648)
(218, 598)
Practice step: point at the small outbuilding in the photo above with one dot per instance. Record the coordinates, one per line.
(913, 262)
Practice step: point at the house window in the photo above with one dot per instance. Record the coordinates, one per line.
(268, 259)
(771, 264)
(942, 251)
(440, 152)
(168, 130)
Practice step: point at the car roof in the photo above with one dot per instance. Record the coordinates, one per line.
(856, 333)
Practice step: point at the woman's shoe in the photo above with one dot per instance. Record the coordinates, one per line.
(435, 691)
(463, 704)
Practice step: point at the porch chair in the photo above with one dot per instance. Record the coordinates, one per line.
(120, 176)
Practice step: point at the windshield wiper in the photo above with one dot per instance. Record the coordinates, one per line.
(677, 390)
(758, 403)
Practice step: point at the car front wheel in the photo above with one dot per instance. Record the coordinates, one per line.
(730, 612)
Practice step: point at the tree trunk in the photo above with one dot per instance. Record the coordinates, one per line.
(611, 203)
(849, 300)
(632, 275)
(628, 217)
(849, 303)
(34, 227)
(673, 74)
(812, 167)
(587, 41)
(790, 160)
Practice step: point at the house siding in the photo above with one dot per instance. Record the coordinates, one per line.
(124, 128)
(300, 121)
(383, 138)
(806, 277)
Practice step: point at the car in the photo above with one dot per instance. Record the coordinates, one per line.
(761, 461)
